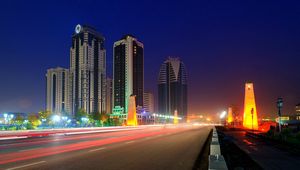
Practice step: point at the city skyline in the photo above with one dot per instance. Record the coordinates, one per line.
(140, 84)
(256, 52)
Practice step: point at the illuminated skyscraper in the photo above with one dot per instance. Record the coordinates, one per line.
(58, 91)
(128, 71)
(172, 88)
(250, 115)
(88, 70)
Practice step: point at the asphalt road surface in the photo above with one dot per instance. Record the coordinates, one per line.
(168, 147)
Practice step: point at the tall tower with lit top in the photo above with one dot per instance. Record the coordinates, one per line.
(250, 112)
(88, 70)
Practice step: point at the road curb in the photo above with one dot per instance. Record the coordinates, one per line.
(216, 160)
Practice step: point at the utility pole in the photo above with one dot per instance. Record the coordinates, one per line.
(279, 106)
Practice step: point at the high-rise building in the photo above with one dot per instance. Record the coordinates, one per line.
(58, 91)
(172, 88)
(148, 102)
(250, 114)
(109, 95)
(128, 72)
(88, 70)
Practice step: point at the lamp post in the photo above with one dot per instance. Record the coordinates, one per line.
(5, 118)
(279, 106)
(222, 115)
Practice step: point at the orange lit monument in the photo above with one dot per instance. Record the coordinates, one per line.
(175, 117)
(250, 114)
(229, 116)
(131, 116)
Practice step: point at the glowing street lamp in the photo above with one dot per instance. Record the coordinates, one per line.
(5, 117)
(56, 118)
(223, 114)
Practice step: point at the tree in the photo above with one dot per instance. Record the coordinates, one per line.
(18, 120)
(80, 114)
(82, 117)
(100, 118)
(104, 118)
(33, 121)
(44, 114)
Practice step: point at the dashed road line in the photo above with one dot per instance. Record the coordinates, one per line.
(129, 142)
(23, 166)
(23, 150)
(98, 149)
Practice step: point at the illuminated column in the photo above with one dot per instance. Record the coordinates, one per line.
(175, 117)
(250, 114)
(229, 116)
(131, 117)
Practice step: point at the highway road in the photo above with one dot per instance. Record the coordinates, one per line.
(163, 147)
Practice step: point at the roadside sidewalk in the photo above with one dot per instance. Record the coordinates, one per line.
(263, 152)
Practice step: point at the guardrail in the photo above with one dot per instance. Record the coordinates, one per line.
(216, 160)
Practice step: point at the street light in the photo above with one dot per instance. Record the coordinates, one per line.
(279, 106)
(5, 118)
(222, 116)
(56, 118)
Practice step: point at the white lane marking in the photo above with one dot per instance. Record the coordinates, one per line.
(23, 166)
(101, 131)
(93, 150)
(130, 142)
(23, 150)
(13, 137)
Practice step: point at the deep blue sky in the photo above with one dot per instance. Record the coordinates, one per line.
(222, 43)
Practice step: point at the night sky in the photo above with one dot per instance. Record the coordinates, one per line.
(222, 43)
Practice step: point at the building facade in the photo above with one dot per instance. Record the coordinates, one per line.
(58, 98)
(148, 102)
(297, 111)
(109, 96)
(88, 70)
(172, 88)
(128, 71)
